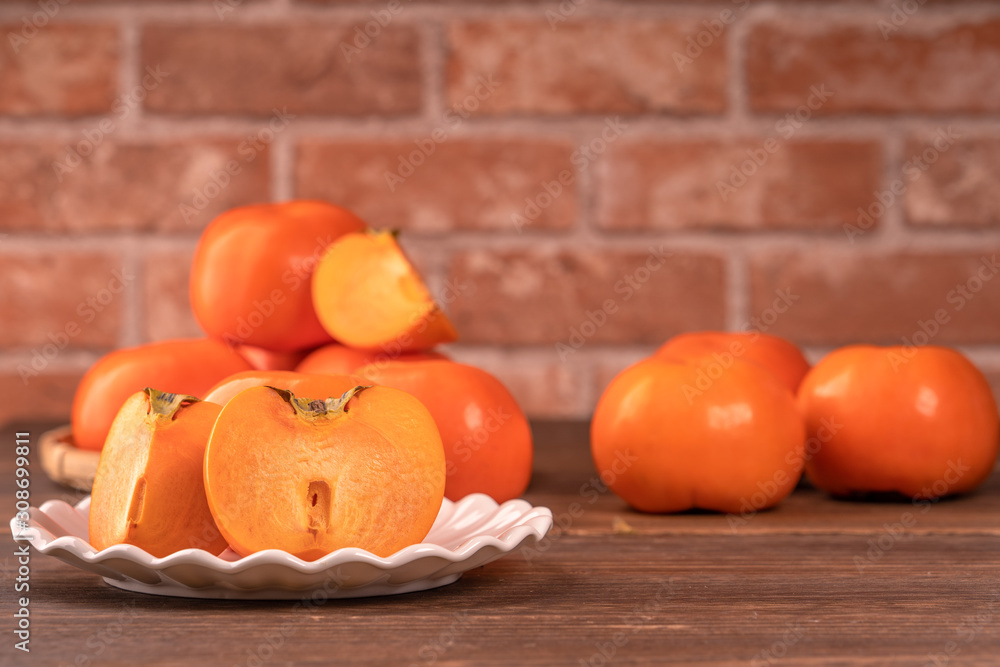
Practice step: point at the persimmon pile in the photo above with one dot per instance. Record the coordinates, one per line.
(316, 414)
(320, 413)
(728, 421)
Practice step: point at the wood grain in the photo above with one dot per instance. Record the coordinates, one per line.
(786, 588)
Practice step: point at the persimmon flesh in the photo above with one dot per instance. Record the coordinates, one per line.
(310, 476)
(149, 490)
(367, 295)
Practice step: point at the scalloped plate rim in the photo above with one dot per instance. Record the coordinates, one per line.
(531, 524)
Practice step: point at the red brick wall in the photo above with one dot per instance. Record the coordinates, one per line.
(593, 174)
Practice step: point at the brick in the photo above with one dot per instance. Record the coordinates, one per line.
(814, 185)
(60, 69)
(125, 186)
(923, 67)
(166, 302)
(841, 297)
(235, 69)
(583, 67)
(524, 297)
(457, 185)
(69, 299)
(545, 389)
(959, 187)
(46, 397)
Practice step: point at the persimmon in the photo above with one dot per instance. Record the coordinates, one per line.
(487, 440)
(921, 422)
(310, 476)
(775, 354)
(269, 360)
(367, 295)
(251, 278)
(181, 366)
(149, 490)
(339, 359)
(736, 446)
(302, 384)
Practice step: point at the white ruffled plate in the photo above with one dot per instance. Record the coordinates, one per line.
(466, 534)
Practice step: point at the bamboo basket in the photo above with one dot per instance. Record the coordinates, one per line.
(64, 463)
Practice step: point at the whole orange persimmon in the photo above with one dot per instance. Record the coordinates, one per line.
(921, 422)
(487, 441)
(735, 446)
(182, 366)
(337, 359)
(251, 278)
(269, 360)
(775, 354)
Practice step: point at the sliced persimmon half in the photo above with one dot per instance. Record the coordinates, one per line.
(367, 295)
(310, 476)
(149, 489)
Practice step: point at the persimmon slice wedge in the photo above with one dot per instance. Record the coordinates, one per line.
(310, 476)
(367, 295)
(149, 489)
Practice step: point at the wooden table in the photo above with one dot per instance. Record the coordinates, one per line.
(815, 581)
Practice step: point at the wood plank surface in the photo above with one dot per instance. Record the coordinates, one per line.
(816, 581)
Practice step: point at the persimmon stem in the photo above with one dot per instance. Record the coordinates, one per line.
(164, 405)
(312, 409)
